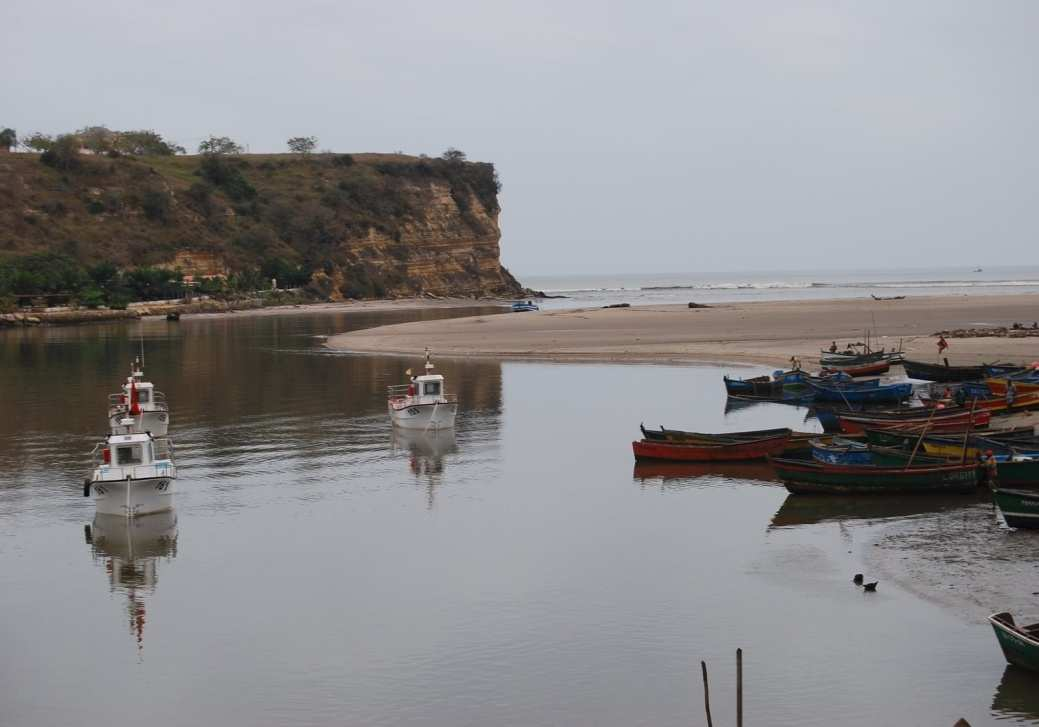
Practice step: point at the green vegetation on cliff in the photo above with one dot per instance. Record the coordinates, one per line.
(365, 225)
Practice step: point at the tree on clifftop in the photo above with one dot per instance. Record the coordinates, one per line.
(8, 139)
(453, 155)
(302, 145)
(219, 145)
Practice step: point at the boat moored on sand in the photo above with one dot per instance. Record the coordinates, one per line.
(422, 403)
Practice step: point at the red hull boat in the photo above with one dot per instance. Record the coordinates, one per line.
(728, 452)
(858, 424)
(869, 369)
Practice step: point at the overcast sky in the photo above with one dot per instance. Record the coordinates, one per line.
(629, 136)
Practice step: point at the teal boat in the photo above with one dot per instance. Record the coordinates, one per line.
(1020, 508)
(1020, 644)
(807, 476)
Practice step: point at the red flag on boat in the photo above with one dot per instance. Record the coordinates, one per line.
(135, 407)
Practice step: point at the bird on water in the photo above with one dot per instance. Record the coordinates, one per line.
(870, 586)
(857, 580)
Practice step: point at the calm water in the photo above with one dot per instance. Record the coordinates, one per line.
(521, 571)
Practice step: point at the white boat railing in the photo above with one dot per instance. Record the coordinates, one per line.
(117, 473)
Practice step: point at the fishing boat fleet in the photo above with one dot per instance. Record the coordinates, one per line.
(957, 428)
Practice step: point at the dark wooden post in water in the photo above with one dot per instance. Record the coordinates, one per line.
(739, 687)
(706, 694)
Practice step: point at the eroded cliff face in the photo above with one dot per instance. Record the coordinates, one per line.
(345, 226)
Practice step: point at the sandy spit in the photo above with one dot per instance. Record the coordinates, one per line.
(767, 332)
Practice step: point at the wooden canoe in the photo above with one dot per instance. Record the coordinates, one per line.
(957, 421)
(806, 476)
(998, 387)
(868, 369)
(679, 435)
(937, 372)
(735, 451)
(1020, 644)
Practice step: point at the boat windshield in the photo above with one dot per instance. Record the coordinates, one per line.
(128, 454)
(431, 388)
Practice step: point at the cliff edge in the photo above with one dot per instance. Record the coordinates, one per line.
(345, 226)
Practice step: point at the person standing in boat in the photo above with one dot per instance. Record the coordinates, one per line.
(990, 469)
(833, 347)
(1011, 393)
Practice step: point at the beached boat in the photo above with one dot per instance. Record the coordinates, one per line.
(937, 372)
(868, 369)
(133, 474)
(1020, 508)
(521, 306)
(802, 475)
(862, 393)
(140, 402)
(852, 358)
(729, 451)
(1020, 644)
(422, 403)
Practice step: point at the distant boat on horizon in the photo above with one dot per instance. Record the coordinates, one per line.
(978, 270)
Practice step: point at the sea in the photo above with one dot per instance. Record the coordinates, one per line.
(722, 287)
(519, 570)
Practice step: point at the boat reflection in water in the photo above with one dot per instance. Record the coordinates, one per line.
(814, 509)
(672, 474)
(1017, 695)
(426, 451)
(130, 549)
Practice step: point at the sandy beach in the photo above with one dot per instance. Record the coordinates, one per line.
(753, 333)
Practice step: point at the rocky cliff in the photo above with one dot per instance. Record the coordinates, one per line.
(354, 226)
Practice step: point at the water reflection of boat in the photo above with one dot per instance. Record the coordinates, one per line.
(130, 550)
(813, 509)
(1017, 695)
(426, 451)
(669, 471)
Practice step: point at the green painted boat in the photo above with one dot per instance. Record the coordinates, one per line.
(1020, 508)
(1020, 644)
(1022, 473)
(805, 476)
(898, 457)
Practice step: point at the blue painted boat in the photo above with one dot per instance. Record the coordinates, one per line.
(521, 306)
(862, 394)
(841, 451)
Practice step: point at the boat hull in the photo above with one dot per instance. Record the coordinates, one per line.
(1020, 508)
(924, 371)
(1020, 649)
(437, 415)
(804, 476)
(133, 498)
(721, 452)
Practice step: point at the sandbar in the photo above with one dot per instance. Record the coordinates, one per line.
(764, 332)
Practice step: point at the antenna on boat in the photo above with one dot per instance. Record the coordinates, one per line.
(429, 364)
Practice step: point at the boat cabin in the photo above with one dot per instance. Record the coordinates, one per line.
(136, 455)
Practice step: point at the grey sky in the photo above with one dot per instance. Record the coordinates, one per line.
(630, 136)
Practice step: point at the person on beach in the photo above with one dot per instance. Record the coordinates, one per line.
(833, 347)
(1011, 393)
(795, 363)
(991, 469)
(942, 344)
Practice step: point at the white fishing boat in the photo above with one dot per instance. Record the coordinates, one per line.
(140, 401)
(133, 474)
(422, 403)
